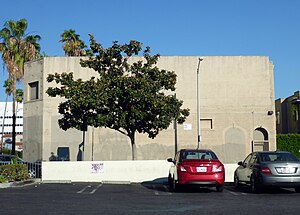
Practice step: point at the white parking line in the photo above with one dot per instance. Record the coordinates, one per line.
(94, 190)
(237, 193)
(89, 186)
(233, 193)
(81, 191)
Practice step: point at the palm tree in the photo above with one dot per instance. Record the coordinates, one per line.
(8, 90)
(16, 48)
(73, 45)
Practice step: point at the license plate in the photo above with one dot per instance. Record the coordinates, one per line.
(285, 170)
(201, 169)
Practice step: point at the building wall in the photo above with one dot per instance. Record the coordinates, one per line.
(33, 113)
(113, 172)
(236, 99)
(288, 114)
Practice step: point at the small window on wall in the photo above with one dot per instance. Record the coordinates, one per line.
(206, 123)
(33, 90)
(63, 153)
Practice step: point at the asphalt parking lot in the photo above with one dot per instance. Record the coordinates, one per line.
(145, 198)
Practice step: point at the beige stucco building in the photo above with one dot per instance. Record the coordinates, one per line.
(236, 111)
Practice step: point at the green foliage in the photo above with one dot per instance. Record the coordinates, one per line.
(16, 48)
(289, 142)
(14, 172)
(9, 152)
(73, 45)
(19, 95)
(2, 179)
(8, 84)
(127, 97)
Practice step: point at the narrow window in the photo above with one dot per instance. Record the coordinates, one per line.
(34, 90)
(278, 117)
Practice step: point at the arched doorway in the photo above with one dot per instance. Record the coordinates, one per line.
(260, 140)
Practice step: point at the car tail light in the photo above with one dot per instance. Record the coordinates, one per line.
(266, 171)
(216, 168)
(181, 168)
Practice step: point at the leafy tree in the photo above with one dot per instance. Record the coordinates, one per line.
(289, 142)
(128, 98)
(73, 45)
(16, 48)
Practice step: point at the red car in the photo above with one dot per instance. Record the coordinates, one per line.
(196, 167)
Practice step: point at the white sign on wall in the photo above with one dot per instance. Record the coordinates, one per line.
(187, 127)
(97, 168)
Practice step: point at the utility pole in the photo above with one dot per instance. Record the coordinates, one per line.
(198, 103)
(175, 132)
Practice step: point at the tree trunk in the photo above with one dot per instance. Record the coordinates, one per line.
(13, 144)
(133, 145)
(83, 142)
(3, 123)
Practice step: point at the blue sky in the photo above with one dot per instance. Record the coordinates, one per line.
(185, 28)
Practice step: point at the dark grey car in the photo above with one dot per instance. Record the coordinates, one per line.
(275, 169)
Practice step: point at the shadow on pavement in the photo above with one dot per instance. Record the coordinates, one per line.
(266, 190)
(161, 184)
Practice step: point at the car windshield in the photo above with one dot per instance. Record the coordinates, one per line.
(198, 155)
(275, 156)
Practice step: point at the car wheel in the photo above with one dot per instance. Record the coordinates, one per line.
(236, 180)
(297, 189)
(255, 187)
(170, 181)
(175, 186)
(219, 188)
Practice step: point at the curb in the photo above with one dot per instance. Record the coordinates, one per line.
(116, 182)
(19, 183)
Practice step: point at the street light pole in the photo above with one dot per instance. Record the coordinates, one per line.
(175, 132)
(198, 103)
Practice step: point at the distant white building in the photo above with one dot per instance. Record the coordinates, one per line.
(6, 125)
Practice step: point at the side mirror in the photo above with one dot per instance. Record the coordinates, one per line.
(170, 160)
(240, 163)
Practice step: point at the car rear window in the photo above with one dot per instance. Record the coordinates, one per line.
(266, 157)
(198, 155)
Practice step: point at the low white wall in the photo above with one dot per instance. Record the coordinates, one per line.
(112, 171)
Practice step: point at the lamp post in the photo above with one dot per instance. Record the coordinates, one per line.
(175, 131)
(198, 102)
